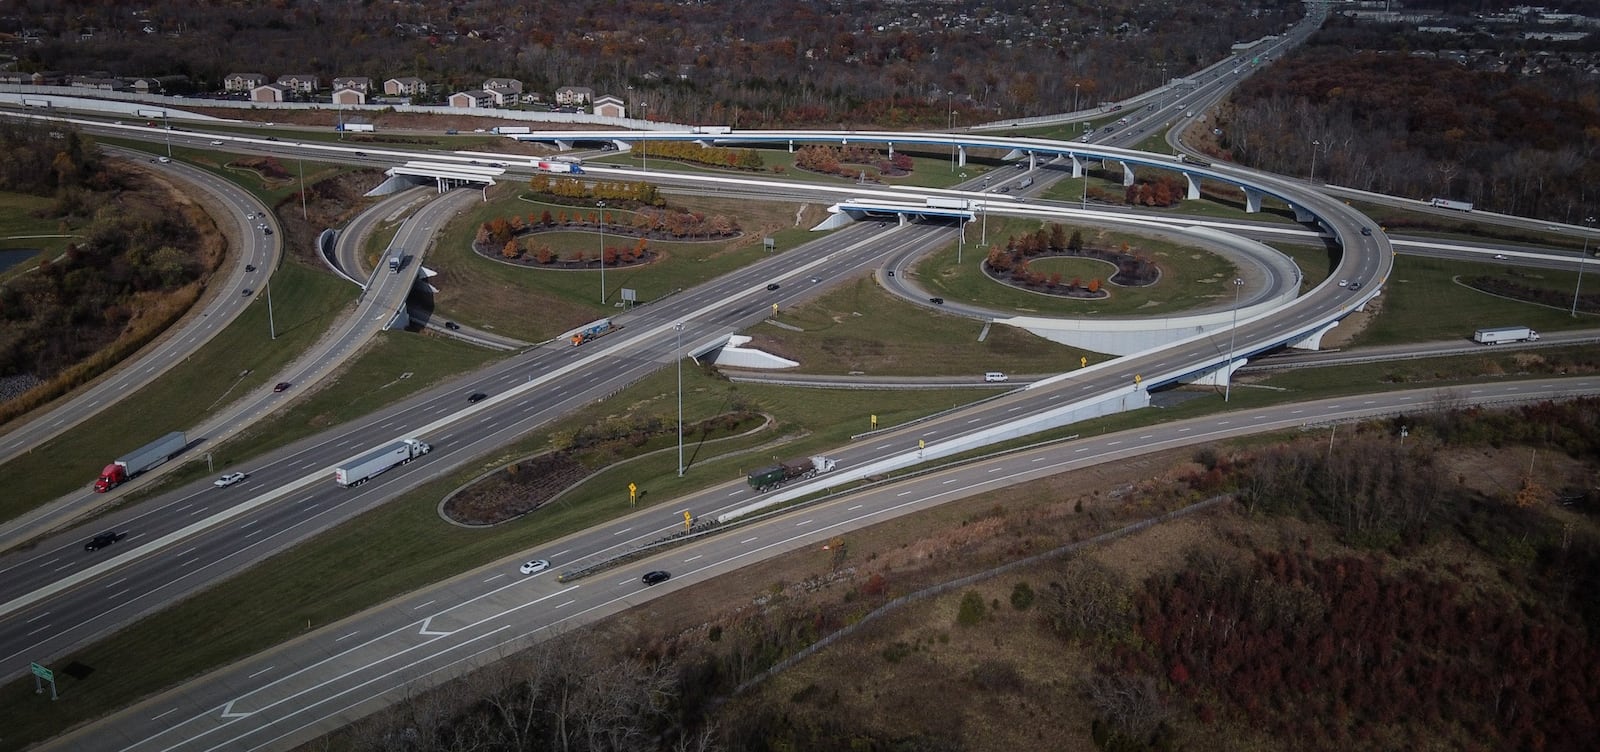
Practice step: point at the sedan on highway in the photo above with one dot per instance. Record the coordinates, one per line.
(476, 397)
(102, 540)
(246, 292)
(228, 480)
(216, 142)
(535, 566)
(655, 578)
(1499, 257)
(282, 386)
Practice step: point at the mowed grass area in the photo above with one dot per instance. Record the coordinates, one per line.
(1191, 276)
(270, 192)
(860, 328)
(928, 168)
(394, 549)
(1423, 301)
(240, 358)
(20, 224)
(394, 366)
(1215, 201)
(536, 304)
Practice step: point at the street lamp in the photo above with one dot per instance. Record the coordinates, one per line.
(1075, 85)
(1233, 332)
(677, 352)
(983, 240)
(1582, 259)
(602, 206)
(1314, 144)
(166, 126)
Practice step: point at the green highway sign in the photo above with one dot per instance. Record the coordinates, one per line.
(42, 672)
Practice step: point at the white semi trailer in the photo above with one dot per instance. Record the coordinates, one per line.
(362, 468)
(1502, 334)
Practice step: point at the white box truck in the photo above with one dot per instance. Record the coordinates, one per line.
(948, 203)
(362, 468)
(1501, 334)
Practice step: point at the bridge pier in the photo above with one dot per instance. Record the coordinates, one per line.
(1222, 374)
(1301, 215)
(1127, 173)
(1252, 200)
(1194, 186)
(563, 145)
(961, 156)
(1077, 166)
(1313, 341)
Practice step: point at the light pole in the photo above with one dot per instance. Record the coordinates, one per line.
(1582, 259)
(1227, 389)
(272, 324)
(677, 352)
(1075, 96)
(949, 105)
(602, 223)
(983, 239)
(1314, 144)
(166, 126)
(303, 214)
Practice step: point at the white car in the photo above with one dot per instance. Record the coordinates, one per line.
(228, 480)
(216, 142)
(1499, 257)
(535, 566)
(1344, 283)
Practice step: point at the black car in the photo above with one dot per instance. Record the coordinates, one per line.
(1366, 231)
(361, 154)
(282, 386)
(249, 267)
(655, 578)
(936, 301)
(476, 397)
(772, 286)
(102, 540)
(266, 231)
(452, 326)
(246, 292)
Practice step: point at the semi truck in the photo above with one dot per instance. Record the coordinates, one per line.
(769, 478)
(948, 203)
(1444, 203)
(357, 127)
(589, 331)
(1502, 334)
(551, 165)
(140, 460)
(397, 262)
(363, 468)
(511, 130)
(717, 130)
(1196, 161)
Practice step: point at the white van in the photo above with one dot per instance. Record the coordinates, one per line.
(994, 376)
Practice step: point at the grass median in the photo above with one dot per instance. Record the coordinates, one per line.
(391, 550)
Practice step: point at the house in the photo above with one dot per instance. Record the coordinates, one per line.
(349, 96)
(504, 90)
(268, 93)
(569, 95)
(473, 99)
(405, 86)
(359, 83)
(242, 81)
(610, 105)
(41, 78)
(146, 86)
(97, 82)
(299, 82)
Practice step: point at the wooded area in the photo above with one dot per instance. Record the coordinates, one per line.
(1380, 119)
(741, 64)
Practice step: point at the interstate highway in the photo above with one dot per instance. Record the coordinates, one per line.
(56, 596)
(293, 693)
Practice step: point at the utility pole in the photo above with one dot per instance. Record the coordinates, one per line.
(677, 351)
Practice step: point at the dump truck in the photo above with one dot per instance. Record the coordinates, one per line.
(363, 468)
(140, 460)
(769, 478)
(1498, 335)
(590, 331)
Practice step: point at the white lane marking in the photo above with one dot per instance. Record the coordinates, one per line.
(496, 577)
(424, 605)
(1037, 459)
(948, 482)
(191, 561)
(262, 671)
(881, 446)
(736, 493)
(1184, 430)
(748, 540)
(996, 469)
(36, 618)
(118, 582)
(159, 717)
(854, 508)
(803, 523)
(1146, 436)
(37, 631)
(123, 591)
(568, 603)
(1113, 443)
(692, 558)
(68, 565)
(561, 553)
(624, 530)
(903, 493)
(348, 636)
(974, 420)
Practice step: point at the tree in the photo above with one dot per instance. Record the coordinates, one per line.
(511, 250)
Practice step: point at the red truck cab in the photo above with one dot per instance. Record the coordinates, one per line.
(114, 475)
